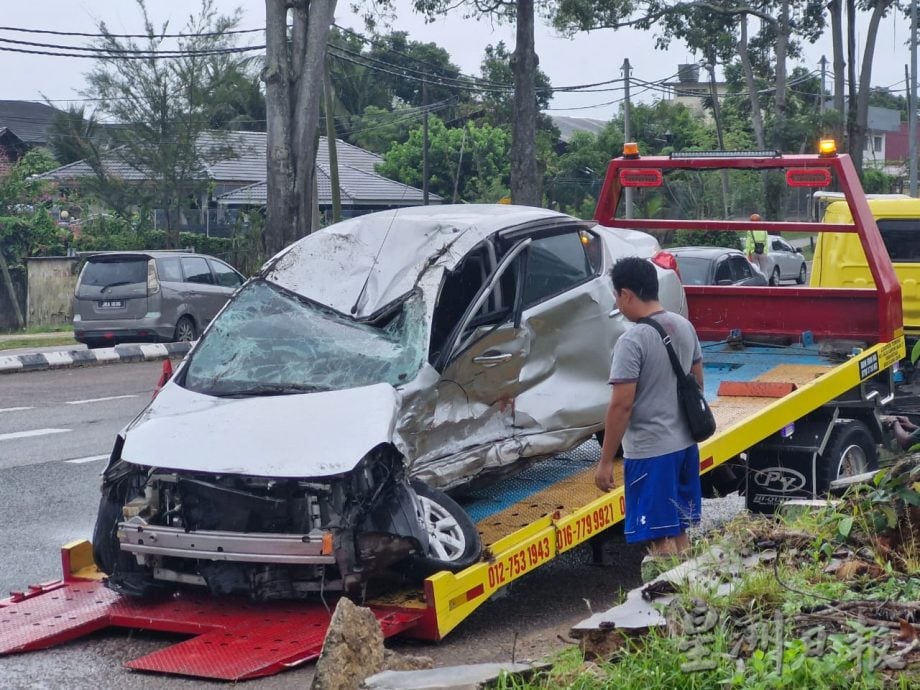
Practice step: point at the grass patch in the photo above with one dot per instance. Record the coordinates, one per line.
(21, 343)
(825, 599)
(57, 328)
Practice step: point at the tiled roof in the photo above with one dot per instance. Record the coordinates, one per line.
(358, 188)
(359, 183)
(27, 120)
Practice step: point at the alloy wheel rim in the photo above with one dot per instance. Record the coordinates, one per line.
(853, 461)
(445, 535)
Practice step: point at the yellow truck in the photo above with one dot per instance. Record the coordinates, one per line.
(841, 262)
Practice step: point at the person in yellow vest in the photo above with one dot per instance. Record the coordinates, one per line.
(756, 247)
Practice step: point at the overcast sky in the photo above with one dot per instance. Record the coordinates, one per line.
(585, 59)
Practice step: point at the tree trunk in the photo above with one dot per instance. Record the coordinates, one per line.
(747, 68)
(293, 78)
(782, 48)
(280, 206)
(11, 291)
(524, 183)
(329, 109)
(865, 76)
(836, 12)
(853, 149)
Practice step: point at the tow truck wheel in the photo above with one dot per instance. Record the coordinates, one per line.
(851, 450)
(453, 542)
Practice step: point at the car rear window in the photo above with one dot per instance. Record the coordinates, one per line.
(108, 272)
(693, 271)
(555, 264)
(902, 239)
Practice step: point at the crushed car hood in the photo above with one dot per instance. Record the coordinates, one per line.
(307, 435)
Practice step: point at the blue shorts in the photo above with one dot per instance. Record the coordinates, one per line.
(662, 495)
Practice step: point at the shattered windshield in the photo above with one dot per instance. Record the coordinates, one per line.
(269, 342)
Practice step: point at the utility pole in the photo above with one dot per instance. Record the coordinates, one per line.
(912, 101)
(823, 62)
(627, 129)
(425, 140)
(329, 107)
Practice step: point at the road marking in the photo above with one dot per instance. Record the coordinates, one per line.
(15, 409)
(93, 400)
(92, 458)
(33, 432)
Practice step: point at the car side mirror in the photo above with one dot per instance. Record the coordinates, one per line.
(798, 250)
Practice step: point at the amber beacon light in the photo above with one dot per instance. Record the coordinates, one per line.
(827, 147)
(630, 150)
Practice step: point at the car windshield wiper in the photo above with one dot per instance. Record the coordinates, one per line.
(116, 284)
(269, 389)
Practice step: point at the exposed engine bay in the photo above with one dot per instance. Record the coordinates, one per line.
(261, 537)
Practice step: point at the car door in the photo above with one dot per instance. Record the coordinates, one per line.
(785, 257)
(201, 294)
(468, 412)
(570, 317)
(742, 271)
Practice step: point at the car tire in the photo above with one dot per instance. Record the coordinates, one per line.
(803, 274)
(96, 343)
(851, 450)
(185, 330)
(774, 277)
(453, 542)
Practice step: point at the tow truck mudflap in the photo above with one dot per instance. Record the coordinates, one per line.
(237, 640)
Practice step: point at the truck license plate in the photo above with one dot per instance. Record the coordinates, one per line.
(112, 304)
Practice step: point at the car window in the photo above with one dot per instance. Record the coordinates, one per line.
(778, 246)
(741, 268)
(723, 271)
(458, 290)
(168, 270)
(196, 270)
(121, 271)
(902, 239)
(693, 270)
(554, 265)
(226, 276)
(269, 342)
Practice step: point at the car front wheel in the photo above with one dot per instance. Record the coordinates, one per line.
(803, 272)
(453, 542)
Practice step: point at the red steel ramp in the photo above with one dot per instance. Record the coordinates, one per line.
(234, 639)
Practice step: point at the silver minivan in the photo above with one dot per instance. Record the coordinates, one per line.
(149, 296)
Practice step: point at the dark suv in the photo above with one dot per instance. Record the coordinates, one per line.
(149, 296)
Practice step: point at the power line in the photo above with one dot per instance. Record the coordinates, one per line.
(149, 56)
(108, 35)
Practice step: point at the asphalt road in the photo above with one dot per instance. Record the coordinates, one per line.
(56, 427)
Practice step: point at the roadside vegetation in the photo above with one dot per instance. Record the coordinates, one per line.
(827, 598)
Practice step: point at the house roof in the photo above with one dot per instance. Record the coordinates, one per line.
(246, 167)
(27, 120)
(569, 125)
(358, 188)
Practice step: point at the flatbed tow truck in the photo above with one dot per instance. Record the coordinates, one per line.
(796, 376)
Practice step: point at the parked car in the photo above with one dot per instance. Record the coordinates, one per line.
(149, 296)
(715, 266)
(306, 442)
(787, 261)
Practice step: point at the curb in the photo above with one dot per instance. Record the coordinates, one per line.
(12, 364)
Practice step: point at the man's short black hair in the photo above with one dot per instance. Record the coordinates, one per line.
(637, 275)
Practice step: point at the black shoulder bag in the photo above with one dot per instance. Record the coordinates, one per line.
(696, 410)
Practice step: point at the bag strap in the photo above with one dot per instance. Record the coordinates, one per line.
(666, 339)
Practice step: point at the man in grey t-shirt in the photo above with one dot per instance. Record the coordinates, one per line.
(661, 460)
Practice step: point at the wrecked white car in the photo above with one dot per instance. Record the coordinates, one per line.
(307, 441)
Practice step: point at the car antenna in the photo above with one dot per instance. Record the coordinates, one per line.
(354, 307)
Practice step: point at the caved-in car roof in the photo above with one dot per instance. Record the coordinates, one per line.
(360, 265)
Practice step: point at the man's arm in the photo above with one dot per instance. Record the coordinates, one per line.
(697, 370)
(618, 413)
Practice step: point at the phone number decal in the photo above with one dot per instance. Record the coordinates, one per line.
(586, 525)
(519, 562)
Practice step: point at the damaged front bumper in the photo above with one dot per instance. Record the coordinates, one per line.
(141, 538)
